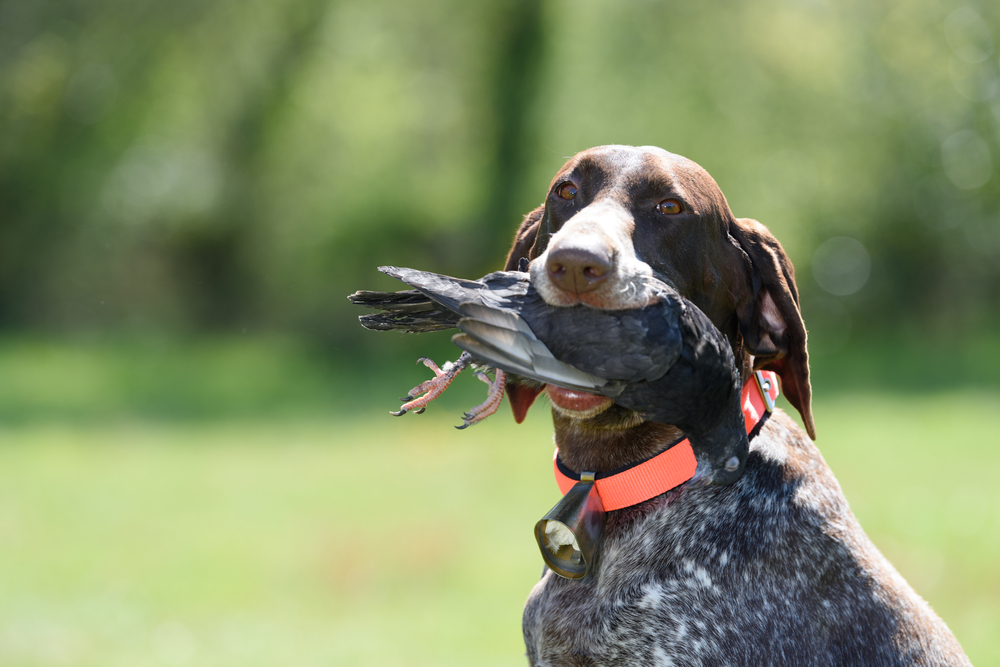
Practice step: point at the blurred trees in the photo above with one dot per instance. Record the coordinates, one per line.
(191, 165)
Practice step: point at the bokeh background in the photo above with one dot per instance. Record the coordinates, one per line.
(197, 466)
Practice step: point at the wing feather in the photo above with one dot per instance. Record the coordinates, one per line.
(507, 342)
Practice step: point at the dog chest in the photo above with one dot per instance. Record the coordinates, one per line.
(772, 566)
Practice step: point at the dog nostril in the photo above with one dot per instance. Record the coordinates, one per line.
(579, 268)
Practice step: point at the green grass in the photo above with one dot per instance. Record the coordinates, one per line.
(250, 504)
(103, 378)
(379, 541)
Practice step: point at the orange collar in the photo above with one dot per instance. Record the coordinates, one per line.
(647, 479)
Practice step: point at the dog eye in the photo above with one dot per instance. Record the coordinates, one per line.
(669, 207)
(566, 191)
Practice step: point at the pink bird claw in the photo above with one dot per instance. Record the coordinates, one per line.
(425, 392)
(493, 399)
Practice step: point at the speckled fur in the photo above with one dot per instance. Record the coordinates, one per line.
(772, 570)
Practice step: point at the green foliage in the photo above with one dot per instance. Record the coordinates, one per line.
(208, 378)
(177, 166)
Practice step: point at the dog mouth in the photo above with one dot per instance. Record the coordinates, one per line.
(631, 284)
(630, 294)
(577, 404)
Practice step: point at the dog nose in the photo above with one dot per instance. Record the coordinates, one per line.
(579, 268)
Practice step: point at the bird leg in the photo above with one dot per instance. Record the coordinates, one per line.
(493, 399)
(434, 387)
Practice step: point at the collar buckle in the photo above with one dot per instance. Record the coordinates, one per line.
(764, 384)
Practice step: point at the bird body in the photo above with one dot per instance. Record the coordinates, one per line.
(666, 361)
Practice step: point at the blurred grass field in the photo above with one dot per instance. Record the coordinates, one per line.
(248, 503)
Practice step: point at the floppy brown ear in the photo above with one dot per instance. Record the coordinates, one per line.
(768, 312)
(525, 238)
(522, 396)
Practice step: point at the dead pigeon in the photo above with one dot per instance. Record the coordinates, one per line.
(666, 361)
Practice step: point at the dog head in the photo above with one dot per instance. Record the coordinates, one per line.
(616, 215)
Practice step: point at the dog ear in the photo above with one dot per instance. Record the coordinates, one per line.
(522, 396)
(769, 317)
(524, 239)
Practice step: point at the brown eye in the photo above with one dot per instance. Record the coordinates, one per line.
(566, 191)
(669, 207)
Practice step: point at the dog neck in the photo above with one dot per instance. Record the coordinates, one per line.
(602, 446)
(617, 437)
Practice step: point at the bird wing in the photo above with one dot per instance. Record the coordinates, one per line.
(443, 290)
(628, 346)
(504, 339)
(500, 289)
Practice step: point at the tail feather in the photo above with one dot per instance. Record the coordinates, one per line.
(408, 311)
(422, 322)
(406, 300)
(444, 290)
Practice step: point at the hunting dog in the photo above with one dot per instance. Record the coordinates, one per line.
(771, 570)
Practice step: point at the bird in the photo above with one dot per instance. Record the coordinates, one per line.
(666, 361)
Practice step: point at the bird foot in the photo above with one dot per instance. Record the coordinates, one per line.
(493, 399)
(425, 392)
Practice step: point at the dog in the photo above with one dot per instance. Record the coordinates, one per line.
(773, 569)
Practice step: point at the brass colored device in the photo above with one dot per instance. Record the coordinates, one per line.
(570, 534)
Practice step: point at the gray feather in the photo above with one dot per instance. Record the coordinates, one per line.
(522, 353)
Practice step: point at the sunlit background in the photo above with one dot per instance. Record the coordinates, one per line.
(197, 465)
